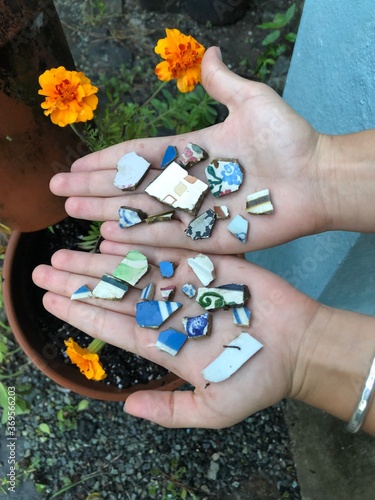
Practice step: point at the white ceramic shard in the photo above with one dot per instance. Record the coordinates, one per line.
(239, 227)
(167, 292)
(131, 169)
(259, 203)
(235, 354)
(110, 288)
(176, 188)
(203, 268)
(221, 211)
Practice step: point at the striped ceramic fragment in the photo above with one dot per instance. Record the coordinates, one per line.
(167, 292)
(83, 292)
(148, 292)
(241, 316)
(132, 267)
(153, 313)
(110, 288)
(259, 203)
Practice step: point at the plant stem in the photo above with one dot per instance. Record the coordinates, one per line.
(159, 89)
(77, 132)
(96, 345)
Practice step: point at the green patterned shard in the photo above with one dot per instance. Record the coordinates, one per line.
(132, 267)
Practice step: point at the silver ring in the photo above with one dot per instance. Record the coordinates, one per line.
(364, 402)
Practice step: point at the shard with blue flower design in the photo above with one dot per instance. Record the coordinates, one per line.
(224, 176)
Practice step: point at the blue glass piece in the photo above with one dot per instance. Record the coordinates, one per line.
(171, 341)
(153, 313)
(198, 326)
(239, 228)
(169, 156)
(166, 269)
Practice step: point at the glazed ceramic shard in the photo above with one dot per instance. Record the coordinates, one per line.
(201, 227)
(166, 268)
(235, 354)
(153, 313)
(171, 341)
(83, 292)
(224, 176)
(132, 267)
(191, 155)
(241, 316)
(198, 326)
(128, 217)
(110, 288)
(176, 188)
(221, 211)
(189, 290)
(160, 217)
(167, 292)
(222, 297)
(169, 156)
(239, 227)
(203, 268)
(131, 169)
(259, 203)
(148, 292)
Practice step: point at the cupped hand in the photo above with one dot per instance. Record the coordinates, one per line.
(280, 317)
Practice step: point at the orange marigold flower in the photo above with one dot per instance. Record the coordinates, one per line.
(183, 57)
(69, 96)
(86, 360)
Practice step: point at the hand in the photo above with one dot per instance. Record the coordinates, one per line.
(280, 318)
(277, 148)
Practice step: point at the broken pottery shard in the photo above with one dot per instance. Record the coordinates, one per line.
(222, 297)
(221, 211)
(176, 188)
(224, 176)
(169, 156)
(259, 203)
(189, 290)
(203, 268)
(201, 227)
(166, 268)
(132, 267)
(153, 313)
(131, 169)
(110, 288)
(167, 292)
(83, 292)
(197, 326)
(241, 316)
(235, 354)
(191, 155)
(159, 217)
(239, 227)
(130, 217)
(148, 292)
(171, 341)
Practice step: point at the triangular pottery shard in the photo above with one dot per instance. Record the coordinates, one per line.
(131, 169)
(153, 313)
(176, 188)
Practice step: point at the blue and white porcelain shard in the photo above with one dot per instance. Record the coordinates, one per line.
(128, 217)
(167, 292)
(197, 326)
(148, 292)
(191, 155)
(83, 292)
(166, 268)
(201, 227)
(189, 290)
(259, 203)
(110, 288)
(203, 267)
(235, 354)
(224, 176)
(176, 188)
(153, 313)
(169, 156)
(241, 316)
(131, 169)
(221, 211)
(239, 227)
(171, 341)
(222, 297)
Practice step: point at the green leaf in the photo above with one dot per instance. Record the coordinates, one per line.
(44, 428)
(289, 14)
(271, 37)
(291, 37)
(82, 405)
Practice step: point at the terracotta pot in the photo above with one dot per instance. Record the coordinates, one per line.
(23, 307)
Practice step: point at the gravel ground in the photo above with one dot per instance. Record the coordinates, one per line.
(99, 451)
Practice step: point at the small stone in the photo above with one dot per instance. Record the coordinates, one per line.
(203, 268)
(110, 288)
(167, 292)
(130, 217)
(259, 203)
(221, 211)
(160, 217)
(239, 227)
(166, 268)
(153, 313)
(224, 176)
(83, 292)
(235, 354)
(198, 326)
(191, 155)
(241, 316)
(148, 292)
(169, 156)
(223, 297)
(189, 290)
(171, 341)
(131, 170)
(201, 227)
(132, 267)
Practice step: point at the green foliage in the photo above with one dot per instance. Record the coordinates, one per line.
(90, 242)
(21, 405)
(165, 486)
(67, 416)
(277, 42)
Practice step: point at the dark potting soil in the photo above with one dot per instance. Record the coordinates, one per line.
(124, 369)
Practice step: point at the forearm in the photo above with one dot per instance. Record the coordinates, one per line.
(334, 361)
